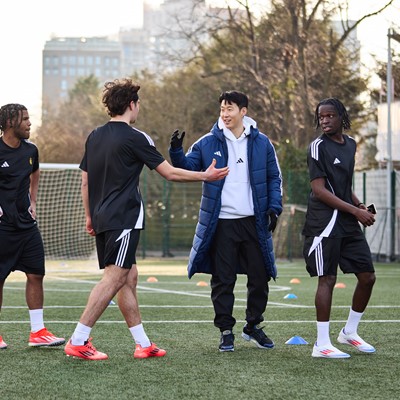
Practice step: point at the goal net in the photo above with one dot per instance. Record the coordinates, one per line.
(60, 213)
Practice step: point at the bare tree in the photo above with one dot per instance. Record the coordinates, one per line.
(287, 59)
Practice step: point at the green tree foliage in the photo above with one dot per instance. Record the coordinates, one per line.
(293, 163)
(182, 100)
(61, 137)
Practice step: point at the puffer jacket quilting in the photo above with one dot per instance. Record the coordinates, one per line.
(266, 184)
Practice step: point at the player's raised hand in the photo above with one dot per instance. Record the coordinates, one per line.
(176, 141)
(215, 174)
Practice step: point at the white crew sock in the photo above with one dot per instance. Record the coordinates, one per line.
(352, 322)
(81, 334)
(36, 318)
(139, 335)
(323, 338)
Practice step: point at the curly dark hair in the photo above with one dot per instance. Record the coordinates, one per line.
(11, 112)
(340, 108)
(118, 94)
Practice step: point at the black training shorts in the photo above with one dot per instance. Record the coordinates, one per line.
(117, 247)
(323, 255)
(21, 250)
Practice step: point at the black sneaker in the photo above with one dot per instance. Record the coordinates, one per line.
(258, 337)
(227, 339)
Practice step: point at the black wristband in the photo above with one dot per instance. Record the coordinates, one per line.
(359, 204)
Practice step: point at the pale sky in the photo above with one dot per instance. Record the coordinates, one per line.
(26, 25)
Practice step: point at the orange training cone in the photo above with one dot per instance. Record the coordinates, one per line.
(152, 279)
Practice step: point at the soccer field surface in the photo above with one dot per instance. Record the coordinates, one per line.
(177, 314)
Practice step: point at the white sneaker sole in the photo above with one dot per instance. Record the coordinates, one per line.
(329, 352)
(363, 348)
(356, 342)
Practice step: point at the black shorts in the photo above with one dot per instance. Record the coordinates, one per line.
(117, 248)
(21, 250)
(323, 255)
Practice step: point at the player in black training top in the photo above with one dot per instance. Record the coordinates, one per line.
(115, 155)
(333, 235)
(21, 245)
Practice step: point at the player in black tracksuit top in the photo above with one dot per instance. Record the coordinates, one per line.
(333, 236)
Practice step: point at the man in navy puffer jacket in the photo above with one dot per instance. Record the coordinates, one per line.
(237, 215)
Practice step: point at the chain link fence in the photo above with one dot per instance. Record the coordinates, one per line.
(172, 210)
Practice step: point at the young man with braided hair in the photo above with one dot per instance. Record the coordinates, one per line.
(333, 236)
(21, 245)
(115, 155)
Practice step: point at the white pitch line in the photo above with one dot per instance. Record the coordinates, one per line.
(197, 294)
(395, 321)
(275, 305)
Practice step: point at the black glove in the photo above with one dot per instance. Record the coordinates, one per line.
(273, 219)
(177, 139)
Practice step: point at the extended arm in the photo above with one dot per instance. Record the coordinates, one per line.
(171, 173)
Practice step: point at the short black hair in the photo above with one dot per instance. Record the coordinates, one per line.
(233, 96)
(340, 108)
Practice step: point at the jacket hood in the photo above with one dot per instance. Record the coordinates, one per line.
(219, 129)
